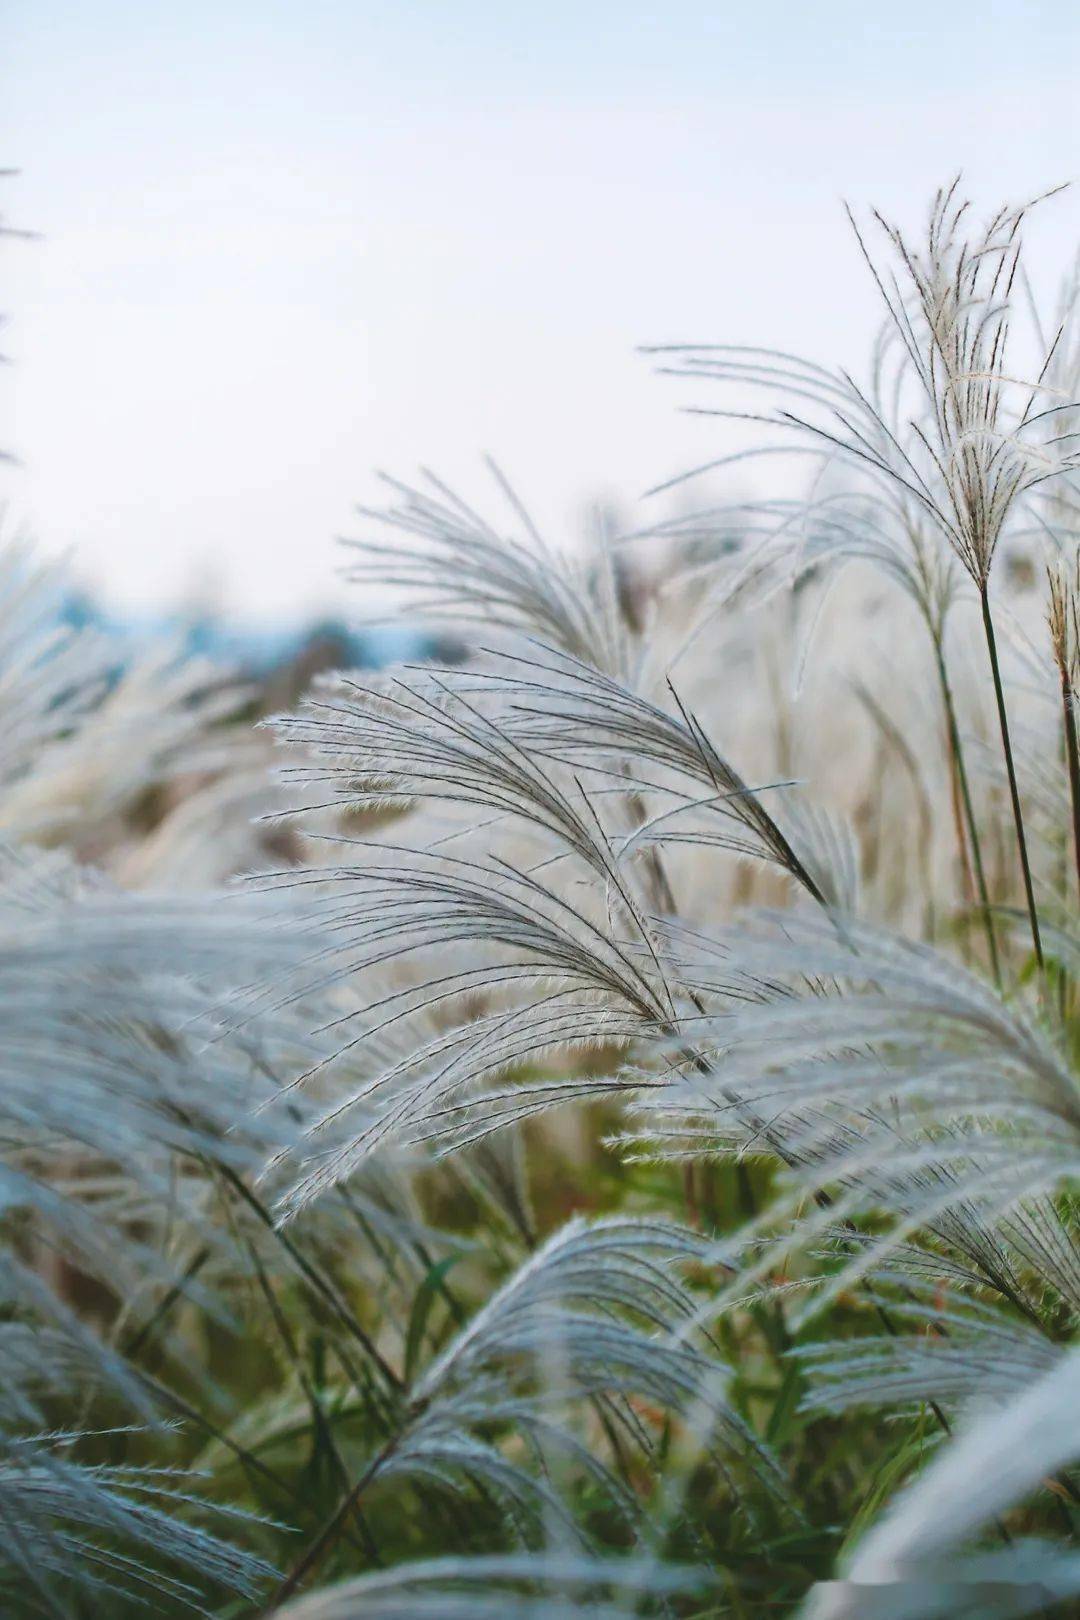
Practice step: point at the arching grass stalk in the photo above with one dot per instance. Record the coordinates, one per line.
(332, 1531)
(1010, 768)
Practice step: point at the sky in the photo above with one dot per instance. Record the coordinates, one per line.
(280, 246)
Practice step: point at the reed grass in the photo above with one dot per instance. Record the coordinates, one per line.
(635, 1083)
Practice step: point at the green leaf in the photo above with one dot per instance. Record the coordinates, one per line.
(432, 1285)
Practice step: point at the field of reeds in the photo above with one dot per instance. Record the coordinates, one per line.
(591, 1127)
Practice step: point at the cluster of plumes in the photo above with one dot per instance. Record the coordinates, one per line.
(78, 758)
(533, 899)
(117, 1090)
(143, 1172)
(943, 437)
(516, 898)
(583, 785)
(596, 1315)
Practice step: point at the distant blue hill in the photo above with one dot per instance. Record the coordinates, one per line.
(259, 650)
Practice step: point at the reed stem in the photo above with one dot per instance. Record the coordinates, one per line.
(1073, 761)
(957, 749)
(1010, 768)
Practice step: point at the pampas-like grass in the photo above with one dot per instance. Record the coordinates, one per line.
(624, 1164)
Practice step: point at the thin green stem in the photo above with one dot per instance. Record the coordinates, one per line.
(320, 1285)
(1010, 768)
(332, 1530)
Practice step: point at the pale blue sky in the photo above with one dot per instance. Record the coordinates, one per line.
(284, 244)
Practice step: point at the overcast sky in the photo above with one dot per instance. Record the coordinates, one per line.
(285, 244)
